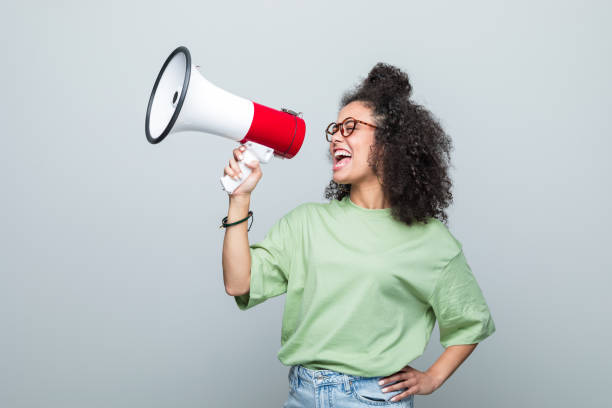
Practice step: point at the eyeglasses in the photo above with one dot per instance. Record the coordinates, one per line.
(346, 127)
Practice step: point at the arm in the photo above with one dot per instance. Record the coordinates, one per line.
(463, 316)
(426, 382)
(464, 320)
(448, 362)
(236, 257)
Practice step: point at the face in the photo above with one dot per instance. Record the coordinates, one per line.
(355, 169)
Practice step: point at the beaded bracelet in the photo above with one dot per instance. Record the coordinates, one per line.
(224, 223)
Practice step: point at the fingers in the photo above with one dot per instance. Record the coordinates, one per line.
(227, 170)
(238, 152)
(401, 384)
(234, 166)
(232, 169)
(400, 396)
(390, 379)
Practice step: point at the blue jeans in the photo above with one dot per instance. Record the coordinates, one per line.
(331, 389)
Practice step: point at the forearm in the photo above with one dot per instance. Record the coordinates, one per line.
(236, 258)
(449, 361)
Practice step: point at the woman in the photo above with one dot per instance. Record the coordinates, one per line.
(367, 274)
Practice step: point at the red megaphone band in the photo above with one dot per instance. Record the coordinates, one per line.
(276, 129)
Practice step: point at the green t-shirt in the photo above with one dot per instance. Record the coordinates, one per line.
(363, 290)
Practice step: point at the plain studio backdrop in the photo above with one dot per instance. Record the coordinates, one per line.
(111, 291)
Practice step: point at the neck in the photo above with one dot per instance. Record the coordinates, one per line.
(369, 195)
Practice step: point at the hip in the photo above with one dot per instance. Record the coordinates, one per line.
(328, 388)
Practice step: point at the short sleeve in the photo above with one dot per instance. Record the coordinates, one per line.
(459, 305)
(270, 263)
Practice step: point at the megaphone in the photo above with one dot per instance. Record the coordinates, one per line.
(182, 99)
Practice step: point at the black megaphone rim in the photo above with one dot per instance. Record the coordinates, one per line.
(179, 105)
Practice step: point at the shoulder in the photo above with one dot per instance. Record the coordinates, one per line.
(307, 209)
(300, 214)
(444, 242)
(307, 214)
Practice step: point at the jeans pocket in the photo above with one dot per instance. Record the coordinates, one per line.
(369, 392)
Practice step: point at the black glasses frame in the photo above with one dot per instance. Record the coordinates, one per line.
(345, 131)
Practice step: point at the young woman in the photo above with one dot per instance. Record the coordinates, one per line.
(366, 275)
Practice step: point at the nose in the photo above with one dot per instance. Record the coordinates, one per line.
(337, 137)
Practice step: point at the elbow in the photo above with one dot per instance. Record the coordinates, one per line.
(234, 292)
(240, 289)
(231, 291)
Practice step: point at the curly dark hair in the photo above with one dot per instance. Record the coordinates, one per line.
(411, 149)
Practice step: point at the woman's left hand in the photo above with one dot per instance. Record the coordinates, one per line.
(417, 382)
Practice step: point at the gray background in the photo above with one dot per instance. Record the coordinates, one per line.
(111, 291)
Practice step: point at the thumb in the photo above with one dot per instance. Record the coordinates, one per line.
(253, 164)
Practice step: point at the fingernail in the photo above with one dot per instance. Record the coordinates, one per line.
(381, 382)
(239, 156)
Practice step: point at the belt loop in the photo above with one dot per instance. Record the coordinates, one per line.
(347, 386)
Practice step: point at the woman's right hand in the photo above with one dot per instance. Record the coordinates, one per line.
(232, 169)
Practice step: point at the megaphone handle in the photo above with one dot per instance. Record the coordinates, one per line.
(229, 184)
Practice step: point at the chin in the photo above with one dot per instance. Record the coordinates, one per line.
(341, 180)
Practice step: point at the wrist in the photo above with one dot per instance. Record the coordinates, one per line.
(244, 198)
(438, 380)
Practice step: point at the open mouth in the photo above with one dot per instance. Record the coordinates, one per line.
(341, 159)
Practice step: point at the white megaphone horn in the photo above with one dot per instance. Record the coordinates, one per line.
(182, 99)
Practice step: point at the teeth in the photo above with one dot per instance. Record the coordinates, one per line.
(341, 153)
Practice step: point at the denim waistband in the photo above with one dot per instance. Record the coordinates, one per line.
(325, 376)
